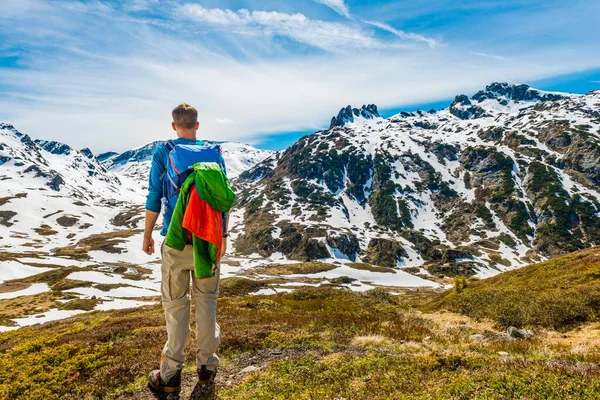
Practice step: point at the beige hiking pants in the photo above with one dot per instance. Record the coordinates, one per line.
(177, 271)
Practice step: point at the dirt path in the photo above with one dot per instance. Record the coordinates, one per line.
(229, 374)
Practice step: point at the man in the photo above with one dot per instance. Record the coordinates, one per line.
(177, 270)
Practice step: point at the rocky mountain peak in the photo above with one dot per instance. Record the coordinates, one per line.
(102, 157)
(54, 147)
(348, 114)
(143, 153)
(87, 152)
(463, 108)
(516, 92)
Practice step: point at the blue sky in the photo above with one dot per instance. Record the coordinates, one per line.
(105, 74)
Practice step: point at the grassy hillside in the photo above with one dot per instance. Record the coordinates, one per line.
(324, 343)
(560, 293)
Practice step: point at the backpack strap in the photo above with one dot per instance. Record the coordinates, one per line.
(170, 146)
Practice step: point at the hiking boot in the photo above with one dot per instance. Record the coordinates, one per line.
(164, 390)
(205, 388)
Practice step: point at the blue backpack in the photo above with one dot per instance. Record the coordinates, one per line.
(180, 164)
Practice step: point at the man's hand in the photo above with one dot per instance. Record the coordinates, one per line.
(223, 247)
(148, 245)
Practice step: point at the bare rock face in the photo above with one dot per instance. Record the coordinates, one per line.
(346, 244)
(348, 114)
(385, 252)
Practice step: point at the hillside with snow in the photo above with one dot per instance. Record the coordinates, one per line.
(497, 180)
(71, 227)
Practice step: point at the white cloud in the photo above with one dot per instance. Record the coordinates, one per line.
(225, 121)
(402, 34)
(338, 6)
(211, 15)
(129, 102)
(139, 5)
(113, 89)
(330, 36)
(491, 56)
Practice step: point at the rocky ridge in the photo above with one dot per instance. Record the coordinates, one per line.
(505, 177)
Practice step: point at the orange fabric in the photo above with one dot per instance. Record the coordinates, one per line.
(203, 221)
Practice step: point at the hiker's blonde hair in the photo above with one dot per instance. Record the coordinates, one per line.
(185, 116)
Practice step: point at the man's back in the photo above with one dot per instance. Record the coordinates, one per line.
(157, 198)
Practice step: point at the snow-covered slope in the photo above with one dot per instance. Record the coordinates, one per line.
(504, 177)
(48, 186)
(135, 164)
(494, 181)
(70, 227)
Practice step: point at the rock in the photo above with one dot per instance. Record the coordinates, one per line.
(478, 336)
(347, 114)
(519, 333)
(498, 90)
(310, 249)
(54, 147)
(346, 244)
(56, 182)
(503, 353)
(462, 108)
(249, 369)
(384, 252)
(87, 153)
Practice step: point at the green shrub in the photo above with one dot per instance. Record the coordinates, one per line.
(460, 283)
(559, 294)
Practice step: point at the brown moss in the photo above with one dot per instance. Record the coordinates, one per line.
(79, 304)
(289, 269)
(372, 268)
(5, 217)
(107, 242)
(67, 221)
(45, 230)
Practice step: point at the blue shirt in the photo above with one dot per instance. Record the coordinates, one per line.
(157, 171)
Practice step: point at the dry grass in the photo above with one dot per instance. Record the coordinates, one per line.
(313, 343)
(67, 221)
(129, 218)
(560, 293)
(289, 269)
(79, 304)
(45, 230)
(372, 268)
(370, 340)
(7, 256)
(9, 287)
(4, 200)
(5, 217)
(231, 262)
(28, 305)
(107, 242)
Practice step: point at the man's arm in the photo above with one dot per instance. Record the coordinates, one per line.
(225, 215)
(225, 233)
(153, 201)
(151, 218)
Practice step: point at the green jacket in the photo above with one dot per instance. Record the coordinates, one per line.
(213, 187)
